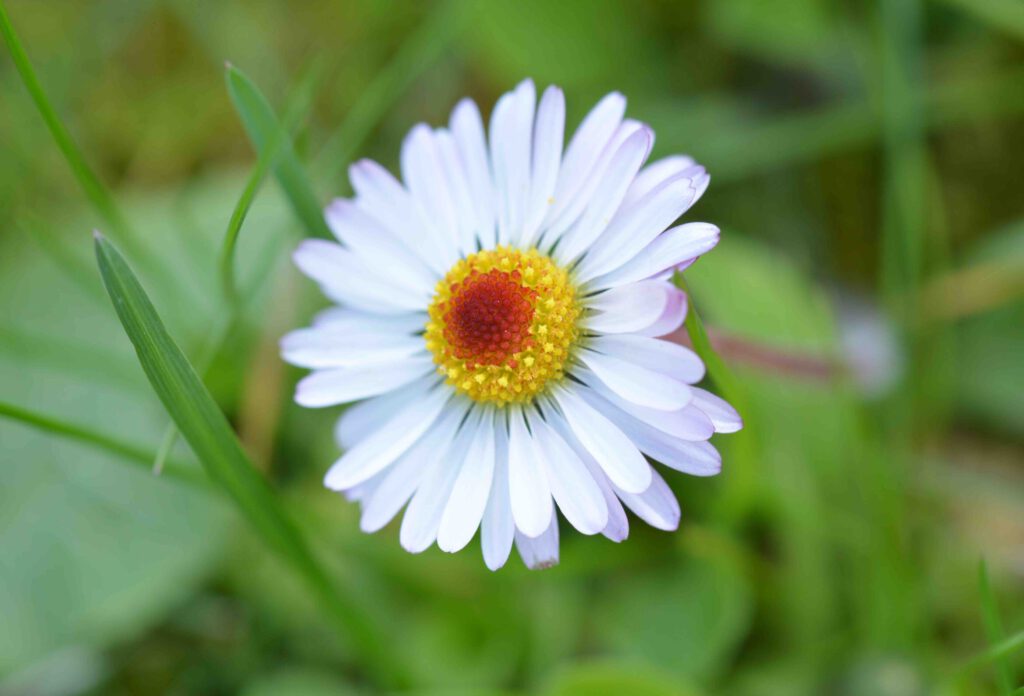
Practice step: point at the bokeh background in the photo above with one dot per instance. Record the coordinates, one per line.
(867, 163)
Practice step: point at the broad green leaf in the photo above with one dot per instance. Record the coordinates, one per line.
(687, 620)
(209, 434)
(261, 124)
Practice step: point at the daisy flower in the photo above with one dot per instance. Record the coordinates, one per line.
(498, 322)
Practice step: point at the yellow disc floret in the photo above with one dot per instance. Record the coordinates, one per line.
(503, 324)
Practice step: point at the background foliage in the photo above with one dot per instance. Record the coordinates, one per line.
(866, 160)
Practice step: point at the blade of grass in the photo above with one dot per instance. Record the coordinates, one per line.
(210, 436)
(717, 368)
(994, 629)
(261, 124)
(999, 651)
(295, 111)
(90, 183)
(132, 453)
(420, 51)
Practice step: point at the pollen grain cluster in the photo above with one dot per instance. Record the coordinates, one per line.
(502, 324)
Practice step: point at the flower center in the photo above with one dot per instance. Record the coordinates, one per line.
(502, 324)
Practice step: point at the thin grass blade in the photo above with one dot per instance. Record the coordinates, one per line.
(261, 124)
(994, 629)
(124, 450)
(209, 435)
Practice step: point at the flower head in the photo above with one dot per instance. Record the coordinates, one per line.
(499, 322)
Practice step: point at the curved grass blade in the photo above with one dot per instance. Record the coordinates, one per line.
(124, 450)
(261, 124)
(994, 629)
(91, 185)
(210, 436)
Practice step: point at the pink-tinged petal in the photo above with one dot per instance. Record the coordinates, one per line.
(541, 551)
(672, 359)
(630, 308)
(636, 384)
(674, 249)
(657, 506)
(613, 450)
(722, 415)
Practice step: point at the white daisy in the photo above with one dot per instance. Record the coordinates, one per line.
(500, 308)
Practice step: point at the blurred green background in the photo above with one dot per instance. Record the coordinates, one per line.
(867, 163)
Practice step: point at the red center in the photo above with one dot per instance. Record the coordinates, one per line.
(488, 318)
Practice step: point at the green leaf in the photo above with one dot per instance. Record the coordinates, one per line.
(994, 629)
(209, 434)
(261, 124)
(688, 620)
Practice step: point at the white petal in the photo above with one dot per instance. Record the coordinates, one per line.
(321, 347)
(511, 137)
(637, 384)
(585, 147)
(672, 317)
(466, 505)
(468, 130)
(345, 319)
(548, 133)
(386, 444)
(424, 175)
(344, 279)
(673, 248)
(688, 423)
(724, 416)
(573, 488)
(617, 527)
(695, 458)
(616, 454)
(400, 480)
(657, 173)
(657, 506)
(384, 198)
(630, 308)
(377, 248)
(497, 529)
(465, 211)
(672, 359)
(528, 487)
(607, 195)
(341, 385)
(541, 551)
(365, 417)
(423, 516)
(636, 225)
(566, 211)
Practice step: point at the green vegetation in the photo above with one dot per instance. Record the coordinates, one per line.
(864, 310)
